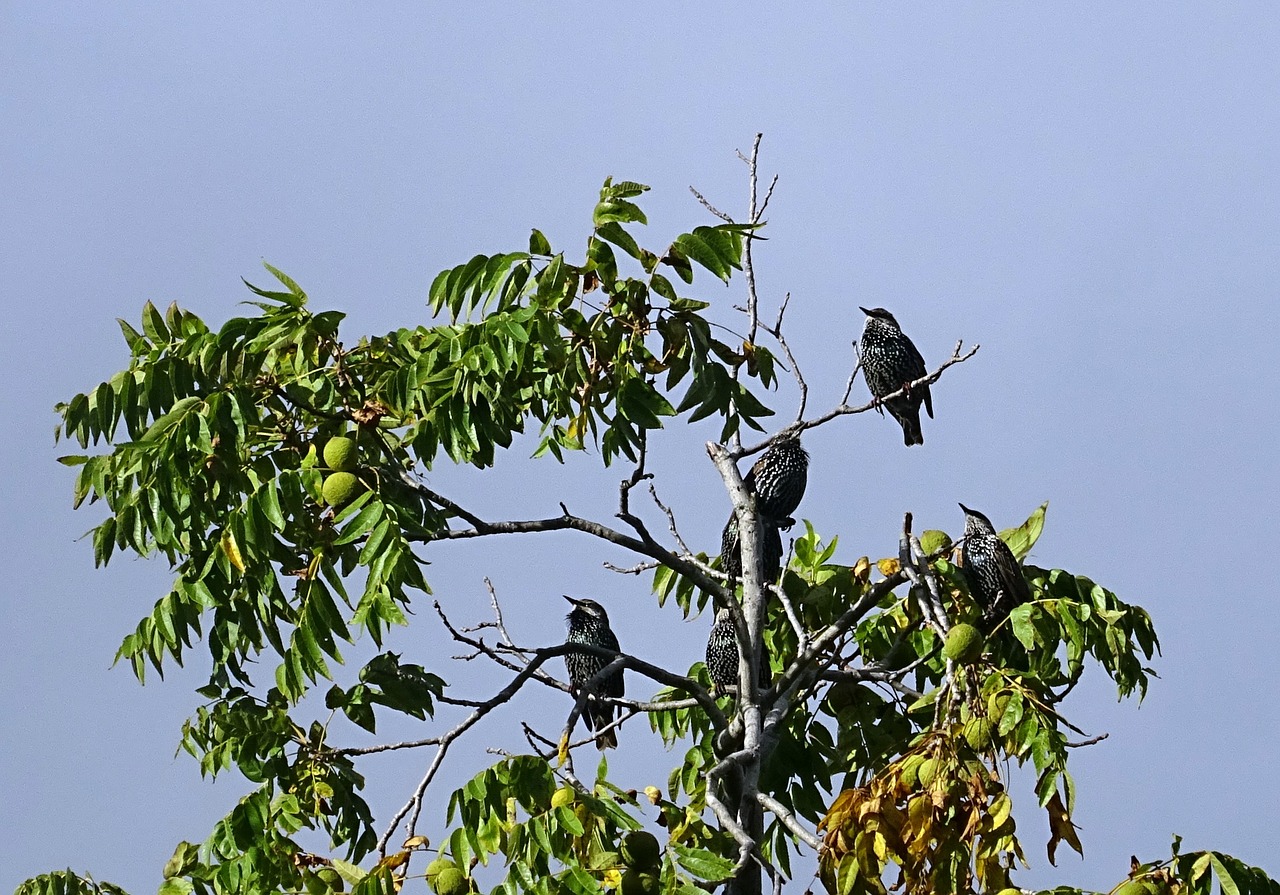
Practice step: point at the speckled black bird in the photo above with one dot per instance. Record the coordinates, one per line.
(722, 654)
(589, 624)
(778, 479)
(731, 550)
(889, 362)
(992, 572)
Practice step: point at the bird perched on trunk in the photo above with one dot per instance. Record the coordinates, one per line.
(990, 569)
(589, 624)
(722, 654)
(778, 479)
(731, 549)
(891, 362)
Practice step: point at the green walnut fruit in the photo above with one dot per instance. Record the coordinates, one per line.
(340, 488)
(1010, 891)
(340, 454)
(933, 540)
(435, 867)
(964, 644)
(445, 878)
(842, 695)
(640, 850)
(640, 882)
(977, 732)
(562, 796)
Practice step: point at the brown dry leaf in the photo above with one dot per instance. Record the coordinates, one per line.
(1061, 828)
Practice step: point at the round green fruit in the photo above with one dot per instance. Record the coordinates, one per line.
(562, 796)
(449, 881)
(340, 488)
(842, 695)
(340, 454)
(436, 867)
(640, 882)
(1012, 890)
(933, 540)
(640, 850)
(964, 644)
(977, 732)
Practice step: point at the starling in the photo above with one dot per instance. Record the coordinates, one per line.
(722, 654)
(889, 363)
(777, 480)
(991, 571)
(589, 624)
(731, 553)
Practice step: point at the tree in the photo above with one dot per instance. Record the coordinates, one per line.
(280, 474)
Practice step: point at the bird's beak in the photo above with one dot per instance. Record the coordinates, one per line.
(864, 310)
(570, 599)
(965, 508)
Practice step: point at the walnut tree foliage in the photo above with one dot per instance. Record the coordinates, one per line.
(869, 749)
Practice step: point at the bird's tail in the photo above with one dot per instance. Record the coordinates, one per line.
(911, 432)
(607, 740)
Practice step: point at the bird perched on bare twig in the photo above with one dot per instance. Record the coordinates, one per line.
(589, 624)
(891, 362)
(991, 570)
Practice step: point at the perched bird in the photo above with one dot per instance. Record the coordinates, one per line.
(722, 654)
(589, 624)
(731, 550)
(777, 480)
(991, 570)
(889, 362)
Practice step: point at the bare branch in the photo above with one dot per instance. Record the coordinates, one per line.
(709, 207)
(789, 821)
(776, 332)
(958, 356)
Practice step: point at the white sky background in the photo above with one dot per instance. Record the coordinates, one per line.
(1090, 192)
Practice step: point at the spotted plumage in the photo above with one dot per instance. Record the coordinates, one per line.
(889, 362)
(589, 624)
(731, 550)
(722, 654)
(778, 480)
(990, 569)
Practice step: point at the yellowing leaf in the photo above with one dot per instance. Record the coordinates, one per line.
(612, 879)
(416, 842)
(862, 570)
(654, 794)
(391, 862)
(888, 566)
(232, 549)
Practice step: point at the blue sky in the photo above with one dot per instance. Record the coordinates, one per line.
(1087, 190)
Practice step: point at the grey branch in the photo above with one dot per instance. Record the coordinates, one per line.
(789, 821)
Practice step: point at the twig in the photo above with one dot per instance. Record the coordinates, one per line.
(789, 821)
(844, 409)
(776, 332)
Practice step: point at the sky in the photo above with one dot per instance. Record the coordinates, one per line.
(1087, 190)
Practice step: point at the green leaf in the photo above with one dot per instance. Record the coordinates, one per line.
(538, 244)
(701, 862)
(1024, 537)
